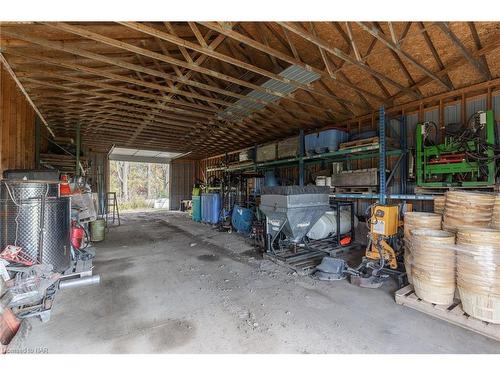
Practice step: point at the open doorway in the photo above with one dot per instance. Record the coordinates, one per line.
(140, 186)
(141, 178)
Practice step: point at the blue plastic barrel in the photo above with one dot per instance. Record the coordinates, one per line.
(215, 206)
(196, 209)
(204, 207)
(242, 219)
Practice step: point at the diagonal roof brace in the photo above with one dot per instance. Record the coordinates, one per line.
(376, 34)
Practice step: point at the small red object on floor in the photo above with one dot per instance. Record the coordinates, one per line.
(16, 254)
(346, 240)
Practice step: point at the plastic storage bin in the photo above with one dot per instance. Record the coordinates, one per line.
(310, 141)
(329, 140)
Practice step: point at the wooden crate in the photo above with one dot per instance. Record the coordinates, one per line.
(452, 314)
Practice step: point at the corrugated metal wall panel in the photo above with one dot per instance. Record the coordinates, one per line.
(432, 115)
(478, 104)
(452, 114)
(496, 110)
(411, 123)
(182, 177)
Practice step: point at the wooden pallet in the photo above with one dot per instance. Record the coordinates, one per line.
(452, 314)
(373, 141)
(330, 246)
(359, 143)
(440, 190)
(303, 262)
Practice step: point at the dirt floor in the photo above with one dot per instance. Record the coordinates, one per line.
(173, 286)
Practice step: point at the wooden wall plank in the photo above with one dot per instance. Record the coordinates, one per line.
(17, 126)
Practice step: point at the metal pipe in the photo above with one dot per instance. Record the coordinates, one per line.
(394, 169)
(79, 282)
(301, 158)
(382, 155)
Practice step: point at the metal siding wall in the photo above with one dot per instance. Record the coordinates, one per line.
(478, 104)
(496, 111)
(452, 114)
(411, 123)
(182, 176)
(432, 115)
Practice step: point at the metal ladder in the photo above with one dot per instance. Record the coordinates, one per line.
(111, 202)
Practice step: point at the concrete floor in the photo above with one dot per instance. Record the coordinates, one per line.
(173, 286)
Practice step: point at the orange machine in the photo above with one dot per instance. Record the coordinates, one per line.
(383, 252)
(384, 227)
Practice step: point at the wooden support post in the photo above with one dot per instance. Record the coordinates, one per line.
(37, 142)
(78, 147)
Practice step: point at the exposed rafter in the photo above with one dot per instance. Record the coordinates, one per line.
(341, 55)
(173, 85)
(392, 46)
(476, 63)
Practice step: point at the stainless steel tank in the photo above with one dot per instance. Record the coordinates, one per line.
(27, 189)
(33, 217)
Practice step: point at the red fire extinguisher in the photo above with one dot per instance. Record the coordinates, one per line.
(77, 235)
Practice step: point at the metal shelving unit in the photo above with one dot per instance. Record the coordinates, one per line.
(380, 151)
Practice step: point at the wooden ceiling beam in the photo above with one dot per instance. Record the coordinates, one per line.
(48, 96)
(394, 47)
(132, 67)
(457, 63)
(226, 59)
(351, 41)
(341, 55)
(197, 34)
(477, 42)
(289, 59)
(405, 31)
(110, 124)
(110, 96)
(165, 99)
(122, 90)
(51, 108)
(434, 52)
(137, 68)
(169, 60)
(476, 63)
(396, 57)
